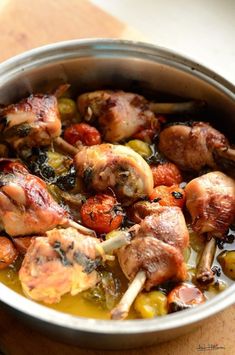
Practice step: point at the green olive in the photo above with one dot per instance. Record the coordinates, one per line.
(67, 108)
(151, 304)
(218, 286)
(227, 262)
(140, 147)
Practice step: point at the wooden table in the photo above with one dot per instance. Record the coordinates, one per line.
(25, 24)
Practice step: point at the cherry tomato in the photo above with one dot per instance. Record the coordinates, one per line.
(184, 296)
(8, 252)
(82, 133)
(168, 196)
(102, 213)
(166, 174)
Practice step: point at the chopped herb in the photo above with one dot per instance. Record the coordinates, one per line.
(47, 172)
(157, 199)
(88, 264)
(156, 158)
(216, 270)
(177, 195)
(23, 130)
(87, 176)
(61, 253)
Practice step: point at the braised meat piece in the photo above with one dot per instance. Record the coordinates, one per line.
(34, 121)
(157, 248)
(210, 199)
(142, 209)
(63, 262)
(115, 166)
(120, 114)
(195, 146)
(25, 205)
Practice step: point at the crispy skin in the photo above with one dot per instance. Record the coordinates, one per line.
(120, 114)
(60, 263)
(117, 167)
(167, 225)
(34, 121)
(192, 147)
(157, 248)
(142, 209)
(210, 200)
(25, 205)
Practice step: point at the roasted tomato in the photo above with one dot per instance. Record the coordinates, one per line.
(8, 252)
(166, 174)
(102, 213)
(168, 196)
(183, 297)
(82, 133)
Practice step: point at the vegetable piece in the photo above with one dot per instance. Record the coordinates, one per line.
(67, 108)
(227, 262)
(140, 147)
(82, 133)
(166, 174)
(151, 304)
(8, 252)
(168, 196)
(102, 213)
(106, 292)
(58, 162)
(183, 297)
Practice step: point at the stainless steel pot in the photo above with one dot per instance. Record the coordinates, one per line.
(96, 64)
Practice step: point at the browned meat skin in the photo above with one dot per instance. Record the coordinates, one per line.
(210, 199)
(117, 167)
(63, 262)
(157, 248)
(120, 114)
(25, 205)
(192, 147)
(34, 121)
(142, 209)
(167, 225)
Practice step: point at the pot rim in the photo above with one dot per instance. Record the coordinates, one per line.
(101, 48)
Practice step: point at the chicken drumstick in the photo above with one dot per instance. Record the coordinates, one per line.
(26, 207)
(155, 254)
(210, 199)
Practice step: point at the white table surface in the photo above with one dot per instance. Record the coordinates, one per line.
(203, 30)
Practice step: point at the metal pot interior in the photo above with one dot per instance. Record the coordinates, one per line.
(156, 73)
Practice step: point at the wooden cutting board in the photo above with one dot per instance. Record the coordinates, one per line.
(25, 24)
